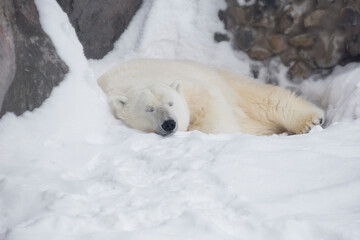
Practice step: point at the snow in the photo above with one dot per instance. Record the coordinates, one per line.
(69, 170)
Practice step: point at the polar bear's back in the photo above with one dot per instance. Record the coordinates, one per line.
(144, 71)
(155, 69)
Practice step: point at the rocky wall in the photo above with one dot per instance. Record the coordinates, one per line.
(309, 36)
(29, 64)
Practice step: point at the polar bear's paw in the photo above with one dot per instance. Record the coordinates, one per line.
(317, 118)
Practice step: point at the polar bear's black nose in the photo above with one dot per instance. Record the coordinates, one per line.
(168, 125)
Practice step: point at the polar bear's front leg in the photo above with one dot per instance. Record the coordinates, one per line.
(317, 119)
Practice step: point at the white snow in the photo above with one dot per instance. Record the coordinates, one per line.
(69, 170)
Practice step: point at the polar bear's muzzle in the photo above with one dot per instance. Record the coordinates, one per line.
(167, 127)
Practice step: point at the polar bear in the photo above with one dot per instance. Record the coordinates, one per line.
(165, 96)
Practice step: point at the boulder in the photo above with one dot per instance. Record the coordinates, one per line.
(29, 64)
(334, 49)
(285, 23)
(299, 71)
(244, 38)
(220, 37)
(348, 16)
(7, 51)
(99, 24)
(278, 43)
(259, 53)
(314, 19)
(303, 40)
(288, 56)
(353, 45)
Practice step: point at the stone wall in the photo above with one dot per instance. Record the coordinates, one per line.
(98, 24)
(310, 36)
(29, 64)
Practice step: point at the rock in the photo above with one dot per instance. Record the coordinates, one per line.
(314, 18)
(265, 20)
(325, 3)
(285, 23)
(222, 15)
(255, 71)
(334, 48)
(99, 24)
(229, 22)
(291, 21)
(244, 38)
(268, 2)
(348, 16)
(353, 45)
(308, 55)
(35, 68)
(239, 15)
(220, 37)
(288, 56)
(7, 51)
(299, 71)
(278, 43)
(303, 40)
(259, 53)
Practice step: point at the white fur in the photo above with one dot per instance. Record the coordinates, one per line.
(205, 99)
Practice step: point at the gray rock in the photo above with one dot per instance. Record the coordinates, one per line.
(314, 19)
(308, 55)
(303, 40)
(99, 24)
(285, 23)
(299, 71)
(353, 45)
(220, 37)
(278, 43)
(288, 56)
(334, 48)
(259, 53)
(348, 16)
(229, 22)
(325, 3)
(264, 19)
(244, 38)
(267, 2)
(7, 51)
(29, 64)
(239, 15)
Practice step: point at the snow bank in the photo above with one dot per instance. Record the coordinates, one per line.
(339, 94)
(69, 170)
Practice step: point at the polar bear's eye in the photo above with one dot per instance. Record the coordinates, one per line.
(149, 109)
(171, 104)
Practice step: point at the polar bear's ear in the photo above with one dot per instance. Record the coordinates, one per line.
(177, 85)
(119, 101)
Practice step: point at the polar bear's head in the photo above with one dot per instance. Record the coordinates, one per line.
(158, 108)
